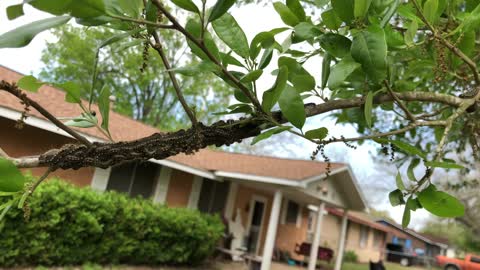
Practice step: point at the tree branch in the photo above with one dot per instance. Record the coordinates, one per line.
(14, 90)
(400, 103)
(449, 45)
(158, 47)
(200, 44)
(161, 146)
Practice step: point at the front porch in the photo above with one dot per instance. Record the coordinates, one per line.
(266, 218)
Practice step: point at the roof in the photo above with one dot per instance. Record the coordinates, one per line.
(291, 169)
(52, 99)
(422, 237)
(360, 218)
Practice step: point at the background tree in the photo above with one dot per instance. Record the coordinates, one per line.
(135, 74)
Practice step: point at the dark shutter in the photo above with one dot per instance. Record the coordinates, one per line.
(292, 212)
(121, 177)
(213, 196)
(144, 179)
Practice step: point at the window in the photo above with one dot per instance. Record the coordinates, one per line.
(293, 210)
(378, 239)
(134, 178)
(363, 236)
(213, 196)
(475, 259)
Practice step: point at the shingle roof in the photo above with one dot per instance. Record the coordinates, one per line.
(124, 128)
(360, 218)
(292, 169)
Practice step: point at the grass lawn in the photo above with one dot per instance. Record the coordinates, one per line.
(388, 266)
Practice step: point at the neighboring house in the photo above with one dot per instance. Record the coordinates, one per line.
(413, 242)
(365, 236)
(269, 203)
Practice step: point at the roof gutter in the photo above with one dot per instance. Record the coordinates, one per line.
(323, 175)
(262, 179)
(42, 124)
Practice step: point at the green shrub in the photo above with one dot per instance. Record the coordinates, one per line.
(350, 256)
(74, 226)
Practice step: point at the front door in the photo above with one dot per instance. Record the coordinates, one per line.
(257, 211)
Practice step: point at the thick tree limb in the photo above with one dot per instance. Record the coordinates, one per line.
(161, 146)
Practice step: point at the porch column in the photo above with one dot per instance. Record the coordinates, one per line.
(272, 231)
(312, 262)
(341, 245)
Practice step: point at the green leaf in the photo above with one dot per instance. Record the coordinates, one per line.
(318, 134)
(187, 5)
(267, 134)
(194, 28)
(335, 44)
(369, 48)
(399, 181)
(73, 92)
(104, 106)
(440, 203)
(344, 9)
(29, 83)
(411, 32)
(406, 217)
(297, 9)
(227, 59)
(287, 16)
(305, 30)
(331, 19)
(271, 96)
(430, 10)
(389, 14)
(133, 8)
(466, 45)
(368, 108)
(21, 36)
(297, 75)
(442, 164)
(361, 8)
(252, 76)
(396, 197)
(327, 59)
(291, 105)
(409, 149)
(413, 204)
(87, 8)
(55, 7)
(11, 179)
(81, 122)
(266, 58)
(341, 71)
(230, 32)
(4, 208)
(220, 8)
(410, 170)
(15, 11)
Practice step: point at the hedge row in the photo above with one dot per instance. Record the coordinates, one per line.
(73, 226)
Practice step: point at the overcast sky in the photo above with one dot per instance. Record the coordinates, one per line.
(375, 179)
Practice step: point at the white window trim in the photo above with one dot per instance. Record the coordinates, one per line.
(163, 181)
(283, 218)
(195, 193)
(263, 200)
(100, 179)
(363, 228)
(231, 199)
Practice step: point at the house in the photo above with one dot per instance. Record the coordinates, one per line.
(413, 242)
(270, 203)
(366, 237)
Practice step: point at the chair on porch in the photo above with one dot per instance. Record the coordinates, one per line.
(324, 254)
